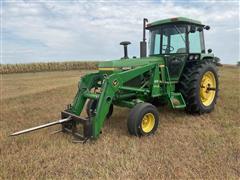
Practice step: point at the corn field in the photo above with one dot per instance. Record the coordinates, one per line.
(50, 66)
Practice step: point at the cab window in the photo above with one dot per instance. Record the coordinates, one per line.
(195, 42)
(174, 40)
(155, 41)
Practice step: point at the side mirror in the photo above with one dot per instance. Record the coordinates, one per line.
(209, 51)
(207, 27)
(200, 29)
(192, 29)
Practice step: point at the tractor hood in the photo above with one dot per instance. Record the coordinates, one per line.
(134, 62)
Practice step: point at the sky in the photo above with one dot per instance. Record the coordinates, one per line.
(44, 31)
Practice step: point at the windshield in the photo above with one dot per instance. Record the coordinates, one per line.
(168, 40)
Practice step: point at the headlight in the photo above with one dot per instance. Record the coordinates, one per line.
(191, 57)
(196, 57)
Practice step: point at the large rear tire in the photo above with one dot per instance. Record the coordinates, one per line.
(199, 87)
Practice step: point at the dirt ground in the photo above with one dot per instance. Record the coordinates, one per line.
(184, 146)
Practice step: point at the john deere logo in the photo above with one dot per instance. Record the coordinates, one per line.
(115, 83)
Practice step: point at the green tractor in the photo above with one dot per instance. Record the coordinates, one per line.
(177, 72)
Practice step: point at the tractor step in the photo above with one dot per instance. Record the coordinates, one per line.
(177, 101)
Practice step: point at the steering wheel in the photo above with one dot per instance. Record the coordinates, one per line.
(169, 48)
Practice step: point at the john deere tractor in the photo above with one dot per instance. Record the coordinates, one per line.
(178, 71)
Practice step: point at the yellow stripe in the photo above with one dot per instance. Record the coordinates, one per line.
(161, 65)
(106, 69)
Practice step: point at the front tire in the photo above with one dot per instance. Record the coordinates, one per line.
(143, 119)
(199, 87)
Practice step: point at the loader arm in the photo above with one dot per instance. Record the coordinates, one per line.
(86, 83)
(111, 84)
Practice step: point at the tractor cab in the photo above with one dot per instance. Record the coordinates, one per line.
(176, 36)
(177, 40)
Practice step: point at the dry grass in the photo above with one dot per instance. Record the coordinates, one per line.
(206, 147)
(51, 66)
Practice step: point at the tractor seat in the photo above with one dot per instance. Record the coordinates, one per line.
(181, 50)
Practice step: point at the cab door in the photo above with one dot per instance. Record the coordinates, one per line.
(174, 49)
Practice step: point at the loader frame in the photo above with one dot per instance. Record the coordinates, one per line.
(111, 86)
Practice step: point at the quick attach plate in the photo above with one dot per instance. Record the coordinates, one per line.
(79, 127)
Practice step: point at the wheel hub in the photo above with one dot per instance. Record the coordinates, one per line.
(148, 122)
(208, 88)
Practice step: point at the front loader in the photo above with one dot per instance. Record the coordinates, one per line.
(177, 72)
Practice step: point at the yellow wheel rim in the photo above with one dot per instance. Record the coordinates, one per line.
(148, 122)
(208, 88)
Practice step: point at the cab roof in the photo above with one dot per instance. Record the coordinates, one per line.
(174, 21)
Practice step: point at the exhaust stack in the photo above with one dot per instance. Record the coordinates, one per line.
(143, 43)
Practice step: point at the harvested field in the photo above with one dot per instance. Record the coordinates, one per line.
(185, 146)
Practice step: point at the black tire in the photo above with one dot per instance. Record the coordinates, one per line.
(91, 108)
(136, 116)
(190, 84)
